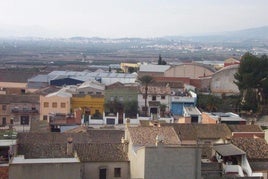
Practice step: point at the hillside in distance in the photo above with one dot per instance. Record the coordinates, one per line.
(173, 49)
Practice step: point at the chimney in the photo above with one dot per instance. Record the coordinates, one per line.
(125, 144)
(159, 140)
(70, 146)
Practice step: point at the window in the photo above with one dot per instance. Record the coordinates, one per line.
(112, 98)
(98, 93)
(4, 107)
(121, 98)
(62, 105)
(153, 98)
(45, 117)
(4, 121)
(24, 120)
(163, 97)
(117, 172)
(102, 173)
(54, 104)
(46, 104)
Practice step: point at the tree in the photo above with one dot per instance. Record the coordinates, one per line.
(251, 80)
(131, 108)
(160, 61)
(146, 80)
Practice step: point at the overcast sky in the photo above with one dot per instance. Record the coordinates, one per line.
(128, 18)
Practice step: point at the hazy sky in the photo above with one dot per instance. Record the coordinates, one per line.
(129, 18)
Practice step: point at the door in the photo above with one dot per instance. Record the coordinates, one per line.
(176, 108)
(102, 173)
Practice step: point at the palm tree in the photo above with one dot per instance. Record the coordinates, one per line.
(146, 80)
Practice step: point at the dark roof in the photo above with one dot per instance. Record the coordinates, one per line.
(105, 152)
(8, 99)
(43, 150)
(256, 148)
(147, 135)
(228, 150)
(47, 90)
(201, 131)
(245, 128)
(91, 136)
(18, 76)
(88, 145)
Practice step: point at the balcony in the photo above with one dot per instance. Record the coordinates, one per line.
(24, 111)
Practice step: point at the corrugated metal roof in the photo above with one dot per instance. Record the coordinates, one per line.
(228, 150)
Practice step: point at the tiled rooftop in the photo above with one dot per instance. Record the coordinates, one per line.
(256, 148)
(105, 152)
(201, 131)
(92, 145)
(147, 135)
(245, 128)
(7, 99)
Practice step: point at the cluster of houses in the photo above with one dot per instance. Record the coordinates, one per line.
(105, 128)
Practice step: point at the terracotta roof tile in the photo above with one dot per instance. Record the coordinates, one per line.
(147, 135)
(201, 131)
(245, 128)
(7, 99)
(101, 152)
(256, 148)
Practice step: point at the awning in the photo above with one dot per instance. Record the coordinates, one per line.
(228, 150)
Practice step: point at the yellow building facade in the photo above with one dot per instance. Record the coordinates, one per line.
(92, 104)
(52, 105)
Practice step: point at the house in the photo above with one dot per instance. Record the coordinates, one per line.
(104, 160)
(126, 66)
(233, 160)
(256, 151)
(155, 152)
(231, 61)
(219, 117)
(92, 105)
(222, 81)
(246, 131)
(88, 154)
(13, 88)
(191, 115)
(204, 135)
(19, 111)
(153, 70)
(122, 99)
(181, 99)
(91, 88)
(189, 70)
(158, 98)
(53, 103)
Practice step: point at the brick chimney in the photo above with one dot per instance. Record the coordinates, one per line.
(70, 146)
(159, 140)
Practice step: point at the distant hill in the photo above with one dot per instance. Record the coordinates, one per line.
(260, 33)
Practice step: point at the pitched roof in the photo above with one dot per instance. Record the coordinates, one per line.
(228, 150)
(43, 150)
(105, 152)
(245, 128)
(256, 148)
(8, 99)
(153, 68)
(91, 136)
(201, 131)
(93, 145)
(147, 135)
